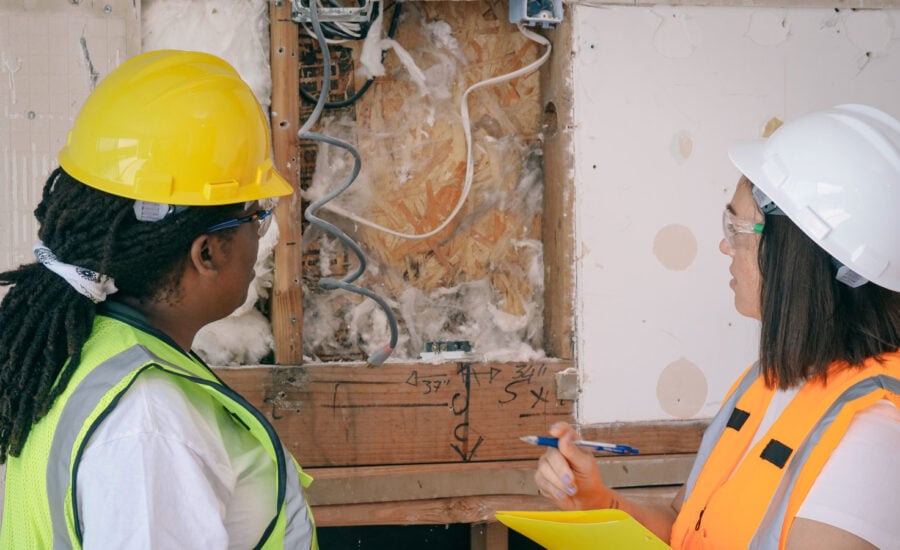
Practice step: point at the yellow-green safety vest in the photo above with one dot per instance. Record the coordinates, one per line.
(40, 509)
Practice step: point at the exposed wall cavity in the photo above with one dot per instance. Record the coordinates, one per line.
(480, 279)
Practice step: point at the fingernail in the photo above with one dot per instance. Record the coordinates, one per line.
(559, 495)
(570, 489)
(567, 479)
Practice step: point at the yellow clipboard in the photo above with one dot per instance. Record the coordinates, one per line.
(582, 530)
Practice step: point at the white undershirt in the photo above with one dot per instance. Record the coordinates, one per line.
(163, 472)
(858, 489)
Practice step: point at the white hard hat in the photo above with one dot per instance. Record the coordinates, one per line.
(836, 174)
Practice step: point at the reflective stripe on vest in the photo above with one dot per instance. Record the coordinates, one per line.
(717, 426)
(752, 502)
(769, 532)
(62, 468)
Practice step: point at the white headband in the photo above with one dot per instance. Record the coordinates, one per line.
(88, 283)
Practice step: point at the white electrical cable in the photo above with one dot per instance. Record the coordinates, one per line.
(352, 29)
(330, 41)
(464, 113)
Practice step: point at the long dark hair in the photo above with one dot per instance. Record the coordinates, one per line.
(44, 322)
(809, 319)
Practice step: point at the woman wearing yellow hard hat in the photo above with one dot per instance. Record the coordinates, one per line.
(803, 453)
(115, 434)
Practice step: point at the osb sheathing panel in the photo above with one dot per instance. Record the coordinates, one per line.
(480, 243)
(414, 160)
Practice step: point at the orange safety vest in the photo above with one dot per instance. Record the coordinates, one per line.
(753, 504)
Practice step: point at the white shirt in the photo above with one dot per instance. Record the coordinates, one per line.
(858, 489)
(162, 472)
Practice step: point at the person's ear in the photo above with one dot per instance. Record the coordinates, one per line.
(204, 255)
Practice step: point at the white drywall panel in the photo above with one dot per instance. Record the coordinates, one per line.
(52, 53)
(660, 92)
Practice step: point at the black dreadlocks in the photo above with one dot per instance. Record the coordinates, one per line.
(44, 322)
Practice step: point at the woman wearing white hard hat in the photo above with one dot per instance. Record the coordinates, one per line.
(804, 451)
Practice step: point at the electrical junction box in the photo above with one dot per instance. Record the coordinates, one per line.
(300, 12)
(444, 349)
(546, 13)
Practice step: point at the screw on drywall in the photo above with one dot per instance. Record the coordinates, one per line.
(107, 9)
(31, 115)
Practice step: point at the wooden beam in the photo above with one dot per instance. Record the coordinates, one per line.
(455, 510)
(287, 294)
(351, 415)
(345, 414)
(489, 536)
(430, 481)
(427, 512)
(651, 437)
(558, 232)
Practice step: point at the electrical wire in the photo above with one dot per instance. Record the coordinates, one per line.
(377, 357)
(346, 30)
(308, 97)
(464, 114)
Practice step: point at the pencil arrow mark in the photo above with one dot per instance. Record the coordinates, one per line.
(467, 457)
(413, 379)
(492, 373)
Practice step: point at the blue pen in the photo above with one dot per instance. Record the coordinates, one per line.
(595, 445)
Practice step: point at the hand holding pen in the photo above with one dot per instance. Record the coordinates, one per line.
(614, 448)
(569, 475)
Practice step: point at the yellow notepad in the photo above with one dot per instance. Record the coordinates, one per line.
(582, 530)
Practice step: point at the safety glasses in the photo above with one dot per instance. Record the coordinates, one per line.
(731, 226)
(264, 217)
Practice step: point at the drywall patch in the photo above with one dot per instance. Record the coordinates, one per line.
(675, 247)
(681, 389)
(869, 30)
(682, 146)
(768, 27)
(676, 35)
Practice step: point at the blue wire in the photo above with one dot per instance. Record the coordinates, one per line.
(377, 357)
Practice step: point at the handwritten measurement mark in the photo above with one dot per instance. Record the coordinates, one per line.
(524, 374)
(431, 382)
(461, 430)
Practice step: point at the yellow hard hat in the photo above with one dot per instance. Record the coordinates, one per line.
(174, 127)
